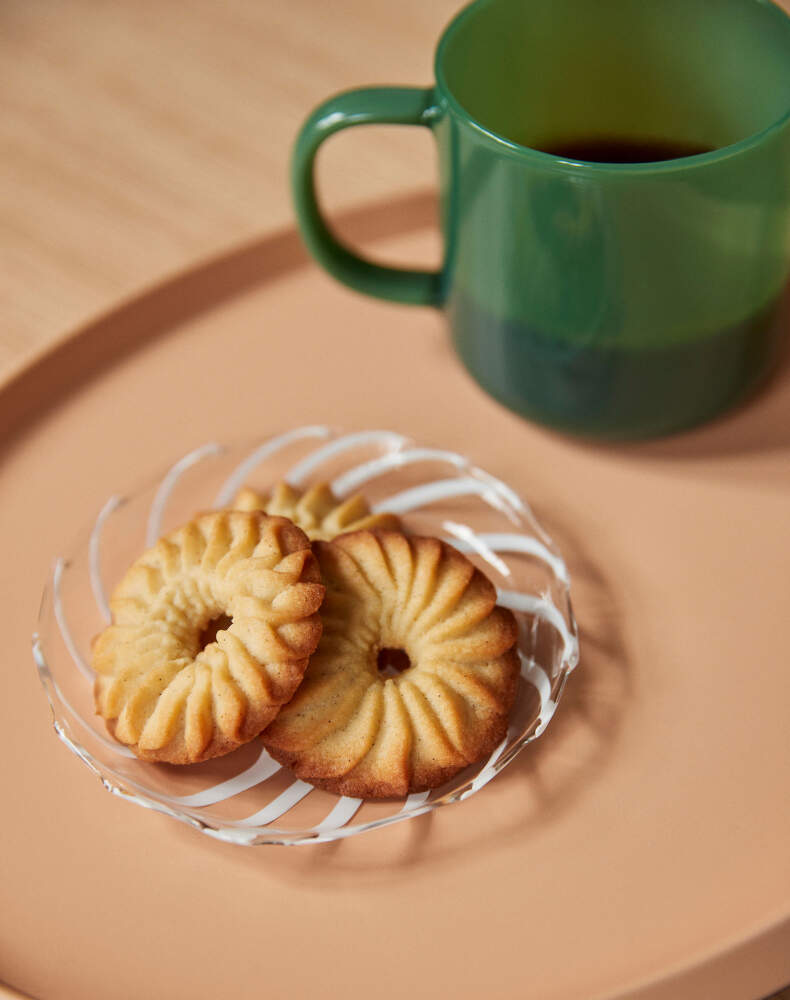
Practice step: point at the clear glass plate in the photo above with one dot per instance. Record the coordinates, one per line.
(246, 797)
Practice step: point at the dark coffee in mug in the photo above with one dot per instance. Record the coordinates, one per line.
(621, 149)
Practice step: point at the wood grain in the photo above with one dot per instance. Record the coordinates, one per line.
(138, 137)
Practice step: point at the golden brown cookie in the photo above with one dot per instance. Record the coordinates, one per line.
(354, 729)
(318, 512)
(212, 629)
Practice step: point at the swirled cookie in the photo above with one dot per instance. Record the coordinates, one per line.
(317, 511)
(405, 601)
(212, 629)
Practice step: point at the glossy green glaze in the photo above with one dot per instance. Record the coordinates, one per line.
(617, 300)
(367, 106)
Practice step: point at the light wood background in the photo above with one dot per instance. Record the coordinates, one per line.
(138, 136)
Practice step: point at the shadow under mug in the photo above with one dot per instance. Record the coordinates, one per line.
(619, 300)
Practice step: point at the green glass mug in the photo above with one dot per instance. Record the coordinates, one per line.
(618, 300)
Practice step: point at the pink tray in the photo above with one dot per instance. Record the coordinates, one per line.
(638, 849)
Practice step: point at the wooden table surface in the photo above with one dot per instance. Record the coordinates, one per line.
(139, 136)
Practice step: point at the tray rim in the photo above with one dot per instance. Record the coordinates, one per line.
(411, 212)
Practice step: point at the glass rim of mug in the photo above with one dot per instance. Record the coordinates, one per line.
(551, 161)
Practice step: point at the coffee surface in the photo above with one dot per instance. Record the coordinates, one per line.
(621, 149)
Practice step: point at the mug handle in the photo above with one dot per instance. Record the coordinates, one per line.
(365, 106)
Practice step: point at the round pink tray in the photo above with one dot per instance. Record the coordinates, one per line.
(639, 849)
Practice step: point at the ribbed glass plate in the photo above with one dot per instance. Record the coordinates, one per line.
(246, 797)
